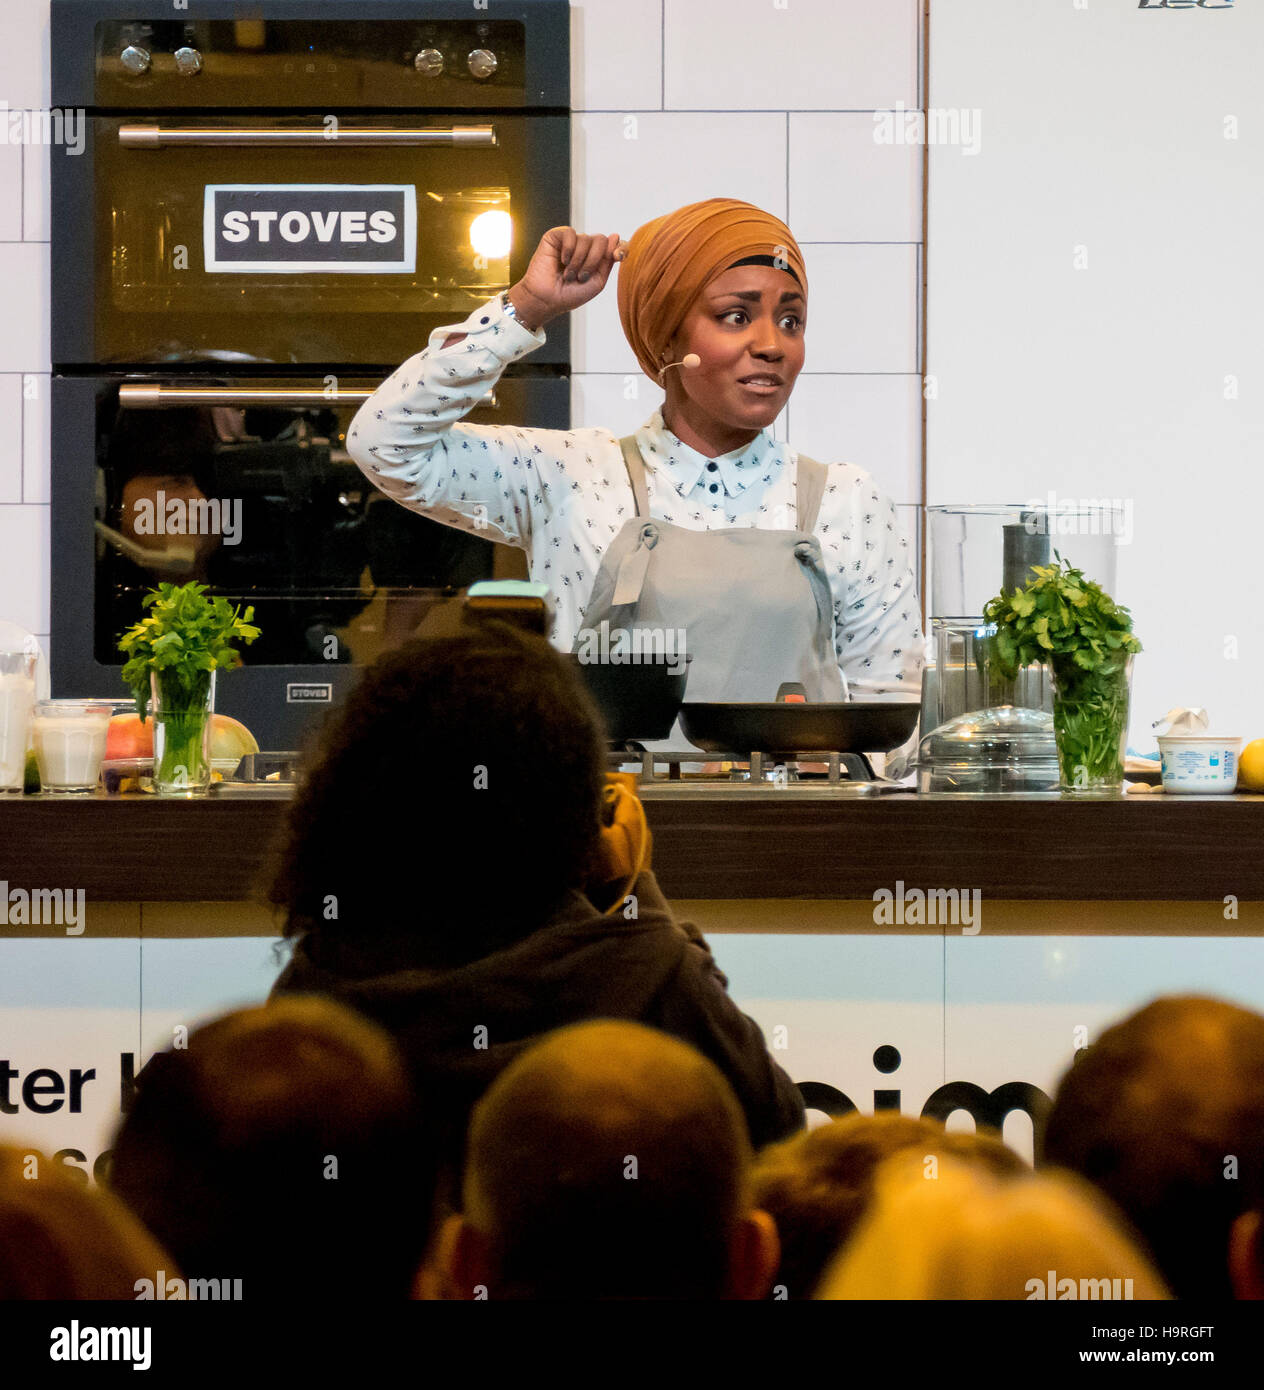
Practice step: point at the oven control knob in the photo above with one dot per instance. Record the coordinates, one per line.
(482, 62)
(135, 60)
(188, 61)
(429, 62)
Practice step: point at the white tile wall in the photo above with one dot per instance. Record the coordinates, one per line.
(24, 306)
(790, 55)
(35, 194)
(616, 55)
(24, 77)
(863, 311)
(10, 438)
(36, 423)
(24, 565)
(675, 100)
(845, 186)
(11, 180)
(871, 420)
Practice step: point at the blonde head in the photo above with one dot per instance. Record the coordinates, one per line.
(61, 1239)
(942, 1230)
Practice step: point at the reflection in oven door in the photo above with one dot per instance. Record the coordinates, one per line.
(258, 499)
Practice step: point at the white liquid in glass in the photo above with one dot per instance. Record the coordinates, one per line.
(70, 750)
(17, 696)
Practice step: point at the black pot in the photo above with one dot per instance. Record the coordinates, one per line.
(637, 700)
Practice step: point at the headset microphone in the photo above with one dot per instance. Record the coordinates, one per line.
(689, 361)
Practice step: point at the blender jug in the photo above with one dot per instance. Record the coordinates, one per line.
(973, 713)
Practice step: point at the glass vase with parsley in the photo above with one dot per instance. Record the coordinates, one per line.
(173, 654)
(1072, 625)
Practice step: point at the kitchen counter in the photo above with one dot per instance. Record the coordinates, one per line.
(714, 847)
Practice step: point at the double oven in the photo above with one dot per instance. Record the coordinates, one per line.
(277, 203)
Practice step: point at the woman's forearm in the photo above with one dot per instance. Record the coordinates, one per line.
(529, 314)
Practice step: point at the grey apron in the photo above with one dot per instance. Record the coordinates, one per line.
(754, 606)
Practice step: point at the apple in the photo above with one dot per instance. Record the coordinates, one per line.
(127, 737)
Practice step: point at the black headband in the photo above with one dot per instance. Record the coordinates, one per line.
(776, 264)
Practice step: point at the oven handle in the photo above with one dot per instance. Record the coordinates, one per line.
(155, 137)
(144, 396)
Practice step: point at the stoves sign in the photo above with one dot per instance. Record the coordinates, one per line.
(335, 228)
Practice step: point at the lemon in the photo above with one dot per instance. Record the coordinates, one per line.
(1251, 767)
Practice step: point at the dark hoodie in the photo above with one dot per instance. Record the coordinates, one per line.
(653, 970)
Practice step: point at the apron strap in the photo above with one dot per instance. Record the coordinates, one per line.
(635, 465)
(809, 490)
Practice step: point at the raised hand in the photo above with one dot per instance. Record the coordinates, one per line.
(567, 270)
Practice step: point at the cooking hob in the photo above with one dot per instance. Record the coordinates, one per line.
(690, 774)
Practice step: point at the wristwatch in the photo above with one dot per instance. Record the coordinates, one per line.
(512, 312)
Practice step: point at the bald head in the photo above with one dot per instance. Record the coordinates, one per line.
(1165, 1113)
(609, 1160)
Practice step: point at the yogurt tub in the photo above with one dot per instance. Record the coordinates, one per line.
(1198, 764)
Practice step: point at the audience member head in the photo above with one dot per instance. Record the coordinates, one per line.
(500, 752)
(955, 1231)
(61, 1239)
(1165, 1114)
(279, 1148)
(816, 1184)
(610, 1161)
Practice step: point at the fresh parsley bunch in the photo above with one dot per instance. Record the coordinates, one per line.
(1086, 638)
(185, 637)
(1065, 620)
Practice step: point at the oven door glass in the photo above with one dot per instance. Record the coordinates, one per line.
(312, 240)
(257, 497)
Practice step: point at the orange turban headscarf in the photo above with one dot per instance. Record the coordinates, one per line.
(669, 260)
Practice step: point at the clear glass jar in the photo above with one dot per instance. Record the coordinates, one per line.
(69, 738)
(182, 734)
(1090, 724)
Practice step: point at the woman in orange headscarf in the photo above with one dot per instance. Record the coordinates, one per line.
(701, 525)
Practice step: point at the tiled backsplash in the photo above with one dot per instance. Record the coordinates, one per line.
(675, 101)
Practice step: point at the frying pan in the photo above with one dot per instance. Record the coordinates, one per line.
(637, 700)
(783, 727)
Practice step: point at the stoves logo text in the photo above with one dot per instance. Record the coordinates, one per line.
(294, 227)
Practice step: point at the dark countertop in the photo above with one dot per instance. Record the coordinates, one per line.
(142, 849)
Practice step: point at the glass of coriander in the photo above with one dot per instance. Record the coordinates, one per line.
(173, 656)
(1071, 624)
